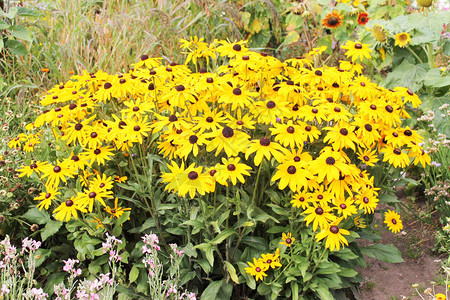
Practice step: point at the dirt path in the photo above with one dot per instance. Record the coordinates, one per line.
(421, 266)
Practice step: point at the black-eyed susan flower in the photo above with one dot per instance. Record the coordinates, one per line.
(47, 197)
(189, 142)
(334, 236)
(57, 173)
(395, 156)
(272, 259)
(67, 210)
(237, 97)
(346, 208)
(319, 214)
(289, 134)
(116, 211)
(356, 50)
(193, 181)
(367, 200)
(332, 20)
(294, 175)
(287, 239)
(137, 128)
(257, 269)
(264, 148)
(231, 169)
(34, 167)
(301, 199)
(230, 49)
(393, 222)
(368, 156)
(341, 136)
(99, 155)
(230, 140)
(402, 39)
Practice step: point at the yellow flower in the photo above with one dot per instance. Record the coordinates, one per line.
(440, 296)
(335, 236)
(357, 50)
(288, 240)
(257, 269)
(402, 39)
(392, 220)
(116, 211)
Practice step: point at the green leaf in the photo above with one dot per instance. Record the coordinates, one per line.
(26, 12)
(208, 250)
(42, 254)
(16, 47)
(323, 292)
(416, 73)
(11, 13)
(446, 48)
(386, 253)
(434, 79)
(20, 32)
(211, 291)
(222, 236)
(37, 216)
(232, 271)
(50, 229)
(388, 198)
(134, 274)
(294, 289)
(347, 272)
(4, 25)
(248, 278)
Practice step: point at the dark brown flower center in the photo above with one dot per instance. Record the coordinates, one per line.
(94, 135)
(366, 200)
(173, 118)
(288, 241)
(192, 175)
(209, 80)
(337, 109)
(245, 57)
(240, 122)
(237, 47)
(363, 84)
(358, 46)
(394, 221)
(270, 104)
(343, 131)
(315, 110)
(107, 85)
(296, 158)
(257, 269)
(410, 92)
(366, 158)
(136, 128)
(231, 167)
(212, 172)
(343, 206)
(264, 141)
(333, 21)
(319, 211)
(78, 126)
(330, 161)
(368, 127)
(334, 229)
(97, 151)
(308, 128)
(48, 195)
(291, 170)
(397, 151)
(408, 132)
(193, 139)
(389, 108)
(290, 129)
(209, 119)
(57, 169)
(227, 132)
(135, 108)
(373, 107)
(144, 57)
(237, 91)
(69, 203)
(180, 88)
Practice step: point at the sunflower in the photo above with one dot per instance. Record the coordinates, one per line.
(257, 269)
(332, 20)
(392, 220)
(363, 18)
(356, 50)
(334, 234)
(288, 239)
(379, 33)
(402, 39)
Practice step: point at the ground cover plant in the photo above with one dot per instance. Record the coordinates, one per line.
(265, 172)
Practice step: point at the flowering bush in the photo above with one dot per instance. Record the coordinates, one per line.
(225, 161)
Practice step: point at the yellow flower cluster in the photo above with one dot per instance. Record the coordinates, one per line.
(259, 266)
(252, 109)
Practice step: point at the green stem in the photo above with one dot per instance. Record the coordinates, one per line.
(256, 184)
(414, 53)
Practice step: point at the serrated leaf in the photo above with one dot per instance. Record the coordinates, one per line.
(37, 216)
(232, 271)
(50, 229)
